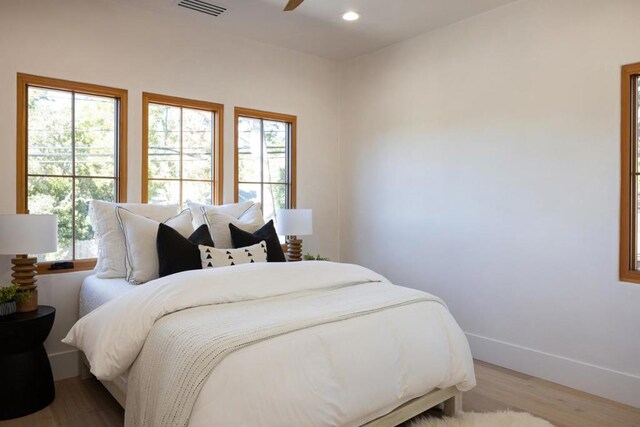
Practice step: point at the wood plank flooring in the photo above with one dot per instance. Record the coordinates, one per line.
(499, 388)
(83, 403)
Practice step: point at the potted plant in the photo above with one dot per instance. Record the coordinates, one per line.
(8, 296)
(309, 257)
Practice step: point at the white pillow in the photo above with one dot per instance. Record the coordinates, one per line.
(111, 250)
(218, 224)
(212, 257)
(233, 209)
(140, 234)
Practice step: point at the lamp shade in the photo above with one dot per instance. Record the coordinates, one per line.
(294, 222)
(28, 234)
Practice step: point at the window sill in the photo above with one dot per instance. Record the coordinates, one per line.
(78, 265)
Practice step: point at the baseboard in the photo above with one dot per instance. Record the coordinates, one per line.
(65, 364)
(619, 386)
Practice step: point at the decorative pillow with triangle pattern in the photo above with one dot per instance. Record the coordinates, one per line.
(214, 257)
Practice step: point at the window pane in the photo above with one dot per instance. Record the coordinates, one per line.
(637, 119)
(275, 156)
(249, 150)
(197, 143)
(199, 192)
(49, 131)
(248, 192)
(164, 141)
(275, 196)
(53, 196)
(164, 192)
(90, 189)
(637, 221)
(95, 135)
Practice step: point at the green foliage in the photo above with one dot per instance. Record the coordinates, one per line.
(180, 147)
(76, 135)
(262, 158)
(164, 144)
(51, 164)
(279, 192)
(8, 293)
(309, 257)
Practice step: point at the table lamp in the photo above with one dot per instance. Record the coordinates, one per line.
(26, 235)
(293, 223)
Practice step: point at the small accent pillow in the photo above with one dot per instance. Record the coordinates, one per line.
(140, 235)
(241, 238)
(235, 210)
(177, 253)
(212, 257)
(111, 249)
(218, 224)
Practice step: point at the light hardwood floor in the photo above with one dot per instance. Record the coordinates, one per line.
(84, 403)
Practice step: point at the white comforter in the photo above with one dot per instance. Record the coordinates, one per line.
(343, 373)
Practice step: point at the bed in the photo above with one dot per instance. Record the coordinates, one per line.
(398, 355)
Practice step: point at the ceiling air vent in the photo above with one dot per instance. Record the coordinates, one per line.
(202, 7)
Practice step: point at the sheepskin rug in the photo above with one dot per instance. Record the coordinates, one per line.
(492, 419)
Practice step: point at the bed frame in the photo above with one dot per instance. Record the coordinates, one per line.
(450, 398)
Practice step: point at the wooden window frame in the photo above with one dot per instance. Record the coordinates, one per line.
(218, 146)
(629, 171)
(24, 81)
(268, 115)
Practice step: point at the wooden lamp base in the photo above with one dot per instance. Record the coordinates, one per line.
(294, 249)
(24, 275)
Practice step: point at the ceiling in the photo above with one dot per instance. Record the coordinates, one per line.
(316, 26)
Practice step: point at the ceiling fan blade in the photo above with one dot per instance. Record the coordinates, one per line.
(292, 5)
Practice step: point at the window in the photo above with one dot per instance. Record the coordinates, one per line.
(181, 150)
(630, 180)
(265, 152)
(71, 149)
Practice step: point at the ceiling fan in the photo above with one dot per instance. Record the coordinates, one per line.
(292, 5)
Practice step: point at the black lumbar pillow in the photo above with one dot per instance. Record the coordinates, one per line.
(241, 239)
(176, 253)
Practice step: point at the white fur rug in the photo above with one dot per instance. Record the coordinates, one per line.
(492, 419)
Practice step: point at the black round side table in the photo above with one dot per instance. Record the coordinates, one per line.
(26, 382)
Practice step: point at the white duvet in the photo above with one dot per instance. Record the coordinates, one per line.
(339, 373)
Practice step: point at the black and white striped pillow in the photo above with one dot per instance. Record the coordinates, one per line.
(213, 257)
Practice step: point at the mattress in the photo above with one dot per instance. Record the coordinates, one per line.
(95, 292)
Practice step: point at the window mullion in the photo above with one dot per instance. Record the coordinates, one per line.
(73, 177)
(634, 172)
(213, 160)
(262, 148)
(116, 150)
(181, 157)
(634, 125)
(287, 152)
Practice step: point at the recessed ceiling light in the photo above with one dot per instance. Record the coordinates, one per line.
(350, 16)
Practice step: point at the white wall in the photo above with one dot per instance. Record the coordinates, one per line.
(481, 163)
(113, 44)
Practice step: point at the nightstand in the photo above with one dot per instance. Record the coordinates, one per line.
(26, 382)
